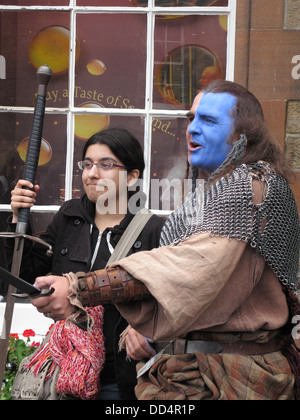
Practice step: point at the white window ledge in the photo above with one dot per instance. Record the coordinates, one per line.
(27, 317)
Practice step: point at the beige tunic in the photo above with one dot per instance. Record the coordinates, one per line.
(205, 283)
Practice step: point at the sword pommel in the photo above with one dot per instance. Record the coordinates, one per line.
(43, 74)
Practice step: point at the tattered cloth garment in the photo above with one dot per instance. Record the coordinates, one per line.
(220, 376)
(79, 354)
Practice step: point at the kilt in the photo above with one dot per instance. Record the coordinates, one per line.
(199, 376)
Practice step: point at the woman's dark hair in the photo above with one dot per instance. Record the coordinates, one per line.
(249, 120)
(123, 145)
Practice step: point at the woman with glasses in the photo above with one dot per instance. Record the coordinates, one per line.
(85, 232)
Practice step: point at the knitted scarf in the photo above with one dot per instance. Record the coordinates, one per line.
(78, 354)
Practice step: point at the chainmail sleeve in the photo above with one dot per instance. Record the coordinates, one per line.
(226, 209)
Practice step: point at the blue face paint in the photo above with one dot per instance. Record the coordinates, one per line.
(207, 134)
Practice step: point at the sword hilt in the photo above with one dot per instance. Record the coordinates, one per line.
(42, 293)
(19, 235)
(44, 74)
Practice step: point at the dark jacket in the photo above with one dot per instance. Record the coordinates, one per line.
(73, 235)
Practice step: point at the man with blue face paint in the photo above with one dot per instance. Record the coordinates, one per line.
(220, 294)
(210, 126)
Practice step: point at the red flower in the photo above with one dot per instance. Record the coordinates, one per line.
(16, 336)
(34, 345)
(28, 333)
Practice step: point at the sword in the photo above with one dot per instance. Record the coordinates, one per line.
(44, 74)
(29, 291)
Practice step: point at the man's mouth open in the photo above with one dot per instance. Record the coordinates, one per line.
(194, 146)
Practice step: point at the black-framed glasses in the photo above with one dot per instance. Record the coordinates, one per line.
(104, 165)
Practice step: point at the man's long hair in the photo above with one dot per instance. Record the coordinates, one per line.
(249, 120)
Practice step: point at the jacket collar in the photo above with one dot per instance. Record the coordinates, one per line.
(84, 209)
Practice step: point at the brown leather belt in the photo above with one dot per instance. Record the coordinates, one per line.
(244, 348)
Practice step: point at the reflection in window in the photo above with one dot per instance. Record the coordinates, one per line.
(34, 3)
(181, 3)
(14, 138)
(88, 124)
(190, 52)
(111, 3)
(168, 162)
(111, 69)
(184, 72)
(51, 46)
(29, 40)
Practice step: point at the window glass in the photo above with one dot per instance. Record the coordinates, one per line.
(135, 125)
(189, 3)
(158, 3)
(3, 228)
(14, 135)
(40, 221)
(35, 2)
(111, 69)
(122, 3)
(189, 53)
(29, 40)
(168, 162)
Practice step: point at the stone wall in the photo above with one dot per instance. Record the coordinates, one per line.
(268, 63)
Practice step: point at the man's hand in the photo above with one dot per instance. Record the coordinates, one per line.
(137, 346)
(56, 306)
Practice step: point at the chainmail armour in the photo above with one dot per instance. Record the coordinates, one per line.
(225, 208)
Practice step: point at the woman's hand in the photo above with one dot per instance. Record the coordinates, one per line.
(22, 197)
(137, 346)
(56, 306)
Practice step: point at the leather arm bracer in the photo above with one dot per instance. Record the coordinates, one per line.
(109, 286)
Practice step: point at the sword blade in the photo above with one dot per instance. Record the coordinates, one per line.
(18, 283)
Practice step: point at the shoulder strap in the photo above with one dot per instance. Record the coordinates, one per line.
(130, 235)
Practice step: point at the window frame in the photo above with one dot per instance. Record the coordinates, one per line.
(148, 113)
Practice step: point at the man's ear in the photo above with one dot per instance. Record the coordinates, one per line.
(132, 177)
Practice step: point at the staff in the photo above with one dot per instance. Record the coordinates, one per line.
(44, 74)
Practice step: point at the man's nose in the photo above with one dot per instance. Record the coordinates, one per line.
(194, 128)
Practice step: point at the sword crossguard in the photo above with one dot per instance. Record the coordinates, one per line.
(31, 238)
(43, 293)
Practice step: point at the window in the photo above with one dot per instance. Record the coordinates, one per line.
(135, 64)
